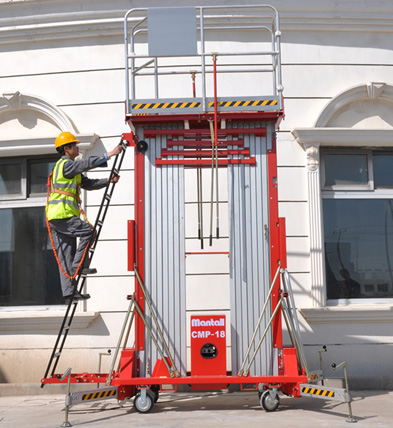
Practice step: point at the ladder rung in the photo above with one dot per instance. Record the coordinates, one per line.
(108, 197)
(100, 222)
(57, 354)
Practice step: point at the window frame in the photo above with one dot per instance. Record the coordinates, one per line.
(353, 192)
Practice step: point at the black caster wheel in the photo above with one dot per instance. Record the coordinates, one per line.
(143, 406)
(155, 391)
(269, 403)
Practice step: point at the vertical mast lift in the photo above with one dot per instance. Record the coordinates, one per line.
(228, 121)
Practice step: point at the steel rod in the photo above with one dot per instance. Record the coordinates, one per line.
(159, 331)
(108, 381)
(259, 320)
(263, 336)
(138, 309)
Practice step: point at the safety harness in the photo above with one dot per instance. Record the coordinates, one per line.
(51, 189)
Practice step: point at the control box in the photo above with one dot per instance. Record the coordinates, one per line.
(208, 345)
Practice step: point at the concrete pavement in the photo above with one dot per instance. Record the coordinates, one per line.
(214, 409)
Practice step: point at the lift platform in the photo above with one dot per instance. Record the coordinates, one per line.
(222, 128)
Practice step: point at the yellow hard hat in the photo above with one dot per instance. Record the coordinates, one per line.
(65, 138)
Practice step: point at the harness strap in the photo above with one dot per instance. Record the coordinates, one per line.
(63, 192)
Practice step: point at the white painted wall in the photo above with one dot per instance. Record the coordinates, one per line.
(71, 54)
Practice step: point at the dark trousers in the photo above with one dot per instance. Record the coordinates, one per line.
(67, 231)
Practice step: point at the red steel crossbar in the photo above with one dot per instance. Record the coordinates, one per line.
(204, 154)
(260, 132)
(204, 162)
(195, 144)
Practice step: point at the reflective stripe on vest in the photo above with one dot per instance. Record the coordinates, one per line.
(64, 197)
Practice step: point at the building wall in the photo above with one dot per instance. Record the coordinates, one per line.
(71, 54)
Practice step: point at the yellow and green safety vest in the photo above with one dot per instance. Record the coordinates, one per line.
(64, 199)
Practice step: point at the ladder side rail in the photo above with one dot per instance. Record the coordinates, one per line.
(55, 349)
(64, 334)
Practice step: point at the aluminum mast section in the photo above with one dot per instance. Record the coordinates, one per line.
(156, 67)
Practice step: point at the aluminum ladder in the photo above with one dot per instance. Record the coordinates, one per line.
(81, 278)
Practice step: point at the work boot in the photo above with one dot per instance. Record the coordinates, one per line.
(89, 271)
(77, 296)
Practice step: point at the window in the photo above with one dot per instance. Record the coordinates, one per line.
(12, 177)
(351, 170)
(28, 270)
(358, 224)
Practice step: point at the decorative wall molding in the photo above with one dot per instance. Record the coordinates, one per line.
(42, 320)
(378, 313)
(55, 20)
(343, 137)
(369, 90)
(15, 101)
(318, 294)
(41, 146)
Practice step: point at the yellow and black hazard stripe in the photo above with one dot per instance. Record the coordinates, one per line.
(246, 103)
(101, 394)
(314, 376)
(318, 391)
(144, 106)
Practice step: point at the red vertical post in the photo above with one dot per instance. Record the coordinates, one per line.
(139, 208)
(274, 233)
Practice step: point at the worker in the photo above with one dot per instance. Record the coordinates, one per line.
(63, 209)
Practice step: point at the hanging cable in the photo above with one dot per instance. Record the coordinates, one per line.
(212, 184)
(216, 143)
(199, 179)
